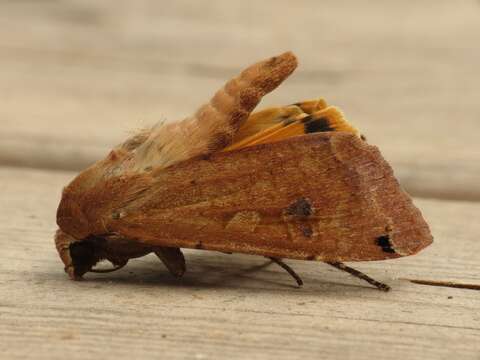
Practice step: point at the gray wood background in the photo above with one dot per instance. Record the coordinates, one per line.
(77, 76)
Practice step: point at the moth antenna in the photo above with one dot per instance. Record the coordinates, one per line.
(214, 124)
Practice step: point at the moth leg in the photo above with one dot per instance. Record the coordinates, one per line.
(288, 269)
(360, 275)
(173, 259)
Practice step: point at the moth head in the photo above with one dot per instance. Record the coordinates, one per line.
(78, 256)
(81, 255)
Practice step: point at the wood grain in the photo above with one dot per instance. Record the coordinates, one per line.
(76, 76)
(230, 305)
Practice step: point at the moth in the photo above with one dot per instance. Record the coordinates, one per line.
(292, 182)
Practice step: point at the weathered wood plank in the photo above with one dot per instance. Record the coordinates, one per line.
(229, 305)
(76, 75)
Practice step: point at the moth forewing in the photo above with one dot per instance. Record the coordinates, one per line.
(328, 196)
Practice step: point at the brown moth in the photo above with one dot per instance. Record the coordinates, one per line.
(296, 182)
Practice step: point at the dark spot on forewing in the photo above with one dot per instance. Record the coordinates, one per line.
(317, 125)
(306, 230)
(300, 208)
(384, 242)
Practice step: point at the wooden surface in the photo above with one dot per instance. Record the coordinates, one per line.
(76, 76)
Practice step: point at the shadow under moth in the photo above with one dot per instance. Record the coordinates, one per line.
(295, 182)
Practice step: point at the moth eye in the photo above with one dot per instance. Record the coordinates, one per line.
(299, 208)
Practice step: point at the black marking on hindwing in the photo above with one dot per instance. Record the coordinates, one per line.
(317, 125)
